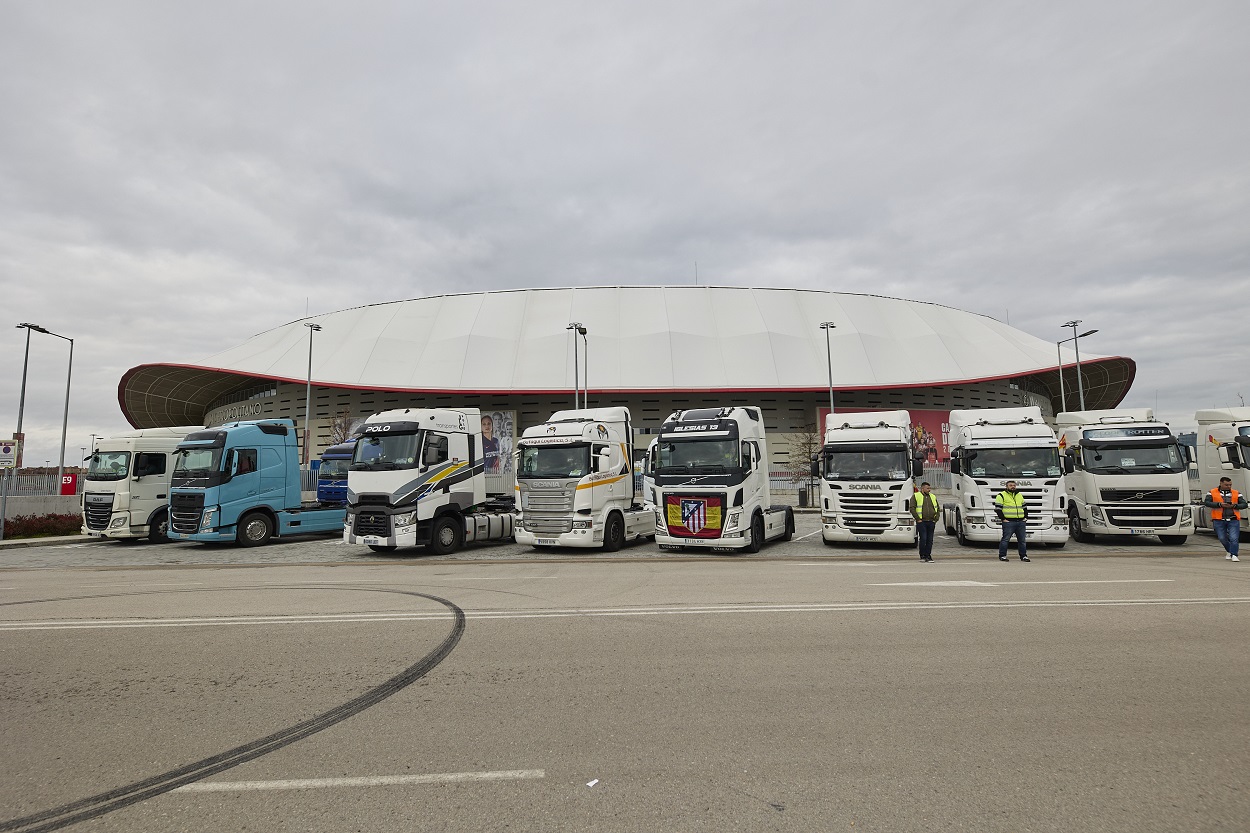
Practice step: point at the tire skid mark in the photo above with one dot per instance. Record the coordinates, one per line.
(115, 799)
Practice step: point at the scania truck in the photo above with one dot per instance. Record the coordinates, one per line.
(418, 478)
(710, 467)
(575, 482)
(1223, 451)
(1126, 475)
(991, 446)
(126, 495)
(241, 482)
(865, 470)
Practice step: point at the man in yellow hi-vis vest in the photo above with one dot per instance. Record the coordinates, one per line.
(1011, 509)
(924, 507)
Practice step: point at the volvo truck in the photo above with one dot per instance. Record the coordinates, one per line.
(1223, 451)
(710, 467)
(418, 478)
(126, 494)
(1126, 475)
(991, 446)
(575, 482)
(865, 469)
(240, 482)
(332, 473)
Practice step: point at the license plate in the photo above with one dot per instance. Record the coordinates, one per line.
(865, 537)
(545, 541)
(370, 540)
(96, 534)
(1142, 532)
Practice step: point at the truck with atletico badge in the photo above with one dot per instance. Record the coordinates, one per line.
(575, 482)
(710, 469)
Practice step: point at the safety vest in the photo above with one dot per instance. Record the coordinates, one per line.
(918, 502)
(1012, 504)
(1218, 497)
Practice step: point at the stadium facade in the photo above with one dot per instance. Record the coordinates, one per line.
(653, 349)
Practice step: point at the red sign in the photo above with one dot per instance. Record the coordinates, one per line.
(69, 484)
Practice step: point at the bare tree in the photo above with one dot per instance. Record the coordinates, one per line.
(804, 445)
(341, 427)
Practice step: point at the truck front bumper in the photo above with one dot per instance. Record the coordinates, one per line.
(219, 535)
(990, 530)
(728, 541)
(900, 532)
(576, 538)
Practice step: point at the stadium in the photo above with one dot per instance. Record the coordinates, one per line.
(652, 349)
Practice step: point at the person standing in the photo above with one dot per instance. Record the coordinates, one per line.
(490, 445)
(924, 507)
(1225, 504)
(1011, 509)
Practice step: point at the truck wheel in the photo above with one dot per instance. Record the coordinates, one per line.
(789, 525)
(254, 530)
(446, 535)
(1077, 530)
(757, 534)
(1172, 540)
(959, 531)
(614, 533)
(158, 529)
(383, 547)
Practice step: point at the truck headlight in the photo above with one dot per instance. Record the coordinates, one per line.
(1187, 514)
(731, 522)
(583, 524)
(1095, 512)
(117, 522)
(976, 517)
(404, 518)
(210, 515)
(906, 520)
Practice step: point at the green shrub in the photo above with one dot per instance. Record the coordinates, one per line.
(34, 526)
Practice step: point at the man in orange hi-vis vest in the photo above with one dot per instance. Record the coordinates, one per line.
(1226, 504)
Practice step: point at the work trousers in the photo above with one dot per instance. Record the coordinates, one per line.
(1016, 528)
(924, 537)
(1229, 534)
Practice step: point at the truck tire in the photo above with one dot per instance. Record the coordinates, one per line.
(789, 534)
(383, 547)
(1077, 530)
(757, 534)
(446, 535)
(255, 530)
(158, 528)
(1172, 540)
(614, 533)
(959, 530)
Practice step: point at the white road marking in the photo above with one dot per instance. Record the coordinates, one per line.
(366, 781)
(809, 535)
(810, 607)
(1001, 583)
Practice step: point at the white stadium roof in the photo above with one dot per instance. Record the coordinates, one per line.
(641, 339)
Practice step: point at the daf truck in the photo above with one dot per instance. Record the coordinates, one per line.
(418, 478)
(710, 467)
(1126, 475)
(575, 482)
(1223, 451)
(126, 494)
(240, 482)
(991, 446)
(865, 469)
(332, 473)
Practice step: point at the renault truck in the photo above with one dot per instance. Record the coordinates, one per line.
(418, 478)
(126, 494)
(1223, 451)
(865, 468)
(710, 467)
(575, 482)
(991, 446)
(1126, 475)
(240, 483)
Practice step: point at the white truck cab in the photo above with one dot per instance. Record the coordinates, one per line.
(710, 467)
(1223, 451)
(126, 489)
(991, 446)
(575, 482)
(1126, 475)
(865, 470)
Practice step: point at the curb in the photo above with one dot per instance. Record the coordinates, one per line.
(17, 543)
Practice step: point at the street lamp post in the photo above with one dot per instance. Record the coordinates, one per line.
(1076, 343)
(21, 408)
(69, 372)
(827, 326)
(312, 328)
(578, 329)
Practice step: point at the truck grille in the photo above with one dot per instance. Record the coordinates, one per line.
(1149, 517)
(550, 501)
(547, 525)
(185, 511)
(1140, 495)
(868, 513)
(98, 508)
(373, 523)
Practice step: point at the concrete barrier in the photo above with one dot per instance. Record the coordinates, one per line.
(41, 505)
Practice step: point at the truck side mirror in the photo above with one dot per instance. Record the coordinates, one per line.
(603, 459)
(917, 466)
(1230, 457)
(1069, 463)
(232, 463)
(954, 465)
(815, 466)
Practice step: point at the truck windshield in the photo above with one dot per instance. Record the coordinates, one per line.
(333, 469)
(866, 464)
(189, 461)
(1014, 462)
(109, 465)
(554, 461)
(1133, 459)
(696, 456)
(392, 451)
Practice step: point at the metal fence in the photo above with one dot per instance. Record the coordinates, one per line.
(36, 485)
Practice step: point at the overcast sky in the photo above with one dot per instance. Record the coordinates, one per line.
(176, 177)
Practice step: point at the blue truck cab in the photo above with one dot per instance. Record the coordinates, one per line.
(332, 475)
(241, 482)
